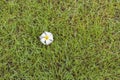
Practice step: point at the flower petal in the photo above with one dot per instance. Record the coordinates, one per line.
(48, 33)
(51, 38)
(43, 40)
(48, 42)
(43, 35)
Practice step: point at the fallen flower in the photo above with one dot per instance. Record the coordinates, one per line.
(46, 38)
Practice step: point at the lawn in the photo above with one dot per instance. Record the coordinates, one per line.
(86, 42)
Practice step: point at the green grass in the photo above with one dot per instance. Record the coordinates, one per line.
(86, 40)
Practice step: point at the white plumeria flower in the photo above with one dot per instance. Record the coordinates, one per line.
(46, 38)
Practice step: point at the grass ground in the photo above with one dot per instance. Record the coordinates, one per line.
(86, 40)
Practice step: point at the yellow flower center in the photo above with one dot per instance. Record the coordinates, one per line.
(46, 37)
